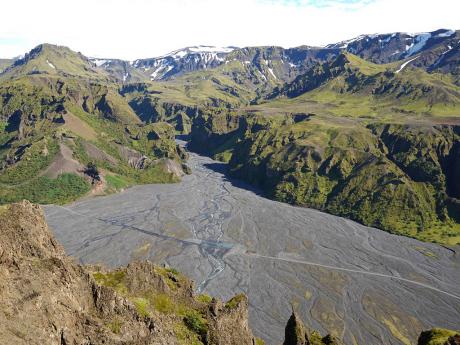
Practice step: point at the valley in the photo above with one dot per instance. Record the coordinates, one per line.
(320, 181)
(229, 239)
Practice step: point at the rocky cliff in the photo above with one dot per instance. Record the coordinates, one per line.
(46, 298)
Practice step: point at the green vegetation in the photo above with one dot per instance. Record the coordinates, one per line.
(390, 176)
(437, 336)
(187, 312)
(52, 117)
(235, 301)
(43, 190)
(115, 326)
(196, 323)
(203, 298)
(163, 303)
(185, 335)
(141, 305)
(116, 182)
(35, 158)
(260, 341)
(115, 280)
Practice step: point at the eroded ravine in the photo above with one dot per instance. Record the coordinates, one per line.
(230, 240)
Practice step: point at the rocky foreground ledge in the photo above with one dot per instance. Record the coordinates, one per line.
(46, 298)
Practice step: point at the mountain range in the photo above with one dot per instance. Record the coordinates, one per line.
(309, 125)
(434, 50)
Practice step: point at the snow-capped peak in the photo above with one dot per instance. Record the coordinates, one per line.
(180, 53)
(211, 49)
(183, 60)
(99, 62)
(346, 43)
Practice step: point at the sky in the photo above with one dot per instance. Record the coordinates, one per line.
(131, 29)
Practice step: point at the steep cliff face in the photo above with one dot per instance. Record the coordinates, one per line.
(46, 298)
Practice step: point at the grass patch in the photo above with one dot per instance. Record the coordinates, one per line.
(196, 323)
(43, 190)
(115, 280)
(116, 182)
(141, 305)
(185, 336)
(203, 298)
(163, 303)
(171, 276)
(235, 301)
(115, 326)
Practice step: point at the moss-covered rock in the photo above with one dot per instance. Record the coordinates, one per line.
(439, 336)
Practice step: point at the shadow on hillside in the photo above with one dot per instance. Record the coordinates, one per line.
(222, 168)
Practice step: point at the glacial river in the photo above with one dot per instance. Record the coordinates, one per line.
(361, 284)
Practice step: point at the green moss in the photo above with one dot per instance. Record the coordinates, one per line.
(315, 338)
(163, 303)
(115, 280)
(171, 275)
(185, 336)
(260, 341)
(196, 323)
(142, 305)
(436, 336)
(235, 301)
(203, 298)
(392, 177)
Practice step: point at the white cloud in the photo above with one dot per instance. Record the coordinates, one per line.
(132, 29)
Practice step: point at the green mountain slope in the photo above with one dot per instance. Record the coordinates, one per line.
(397, 177)
(352, 86)
(58, 121)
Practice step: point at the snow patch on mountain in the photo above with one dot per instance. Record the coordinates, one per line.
(99, 62)
(271, 72)
(346, 43)
(50, 64)
(211, 49)
(405, 64)
(447, 33)
(418, 43)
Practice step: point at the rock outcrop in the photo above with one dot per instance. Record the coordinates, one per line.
(228, 323)
(296, 334)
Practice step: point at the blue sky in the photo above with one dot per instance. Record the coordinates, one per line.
(131, 29)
